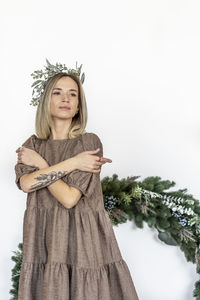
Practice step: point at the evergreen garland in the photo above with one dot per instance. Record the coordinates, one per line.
(16, 272)
(175, 215)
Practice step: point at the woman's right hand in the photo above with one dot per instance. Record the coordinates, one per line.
(88, 161)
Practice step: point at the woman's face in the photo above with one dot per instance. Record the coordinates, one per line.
(64, 98)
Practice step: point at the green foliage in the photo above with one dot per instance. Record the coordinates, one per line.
(17, 258)
(167, 238)
(156, 185)
(196, 292)
(49, 71)
(174, 214)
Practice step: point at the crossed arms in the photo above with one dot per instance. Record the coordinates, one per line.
(50, 177)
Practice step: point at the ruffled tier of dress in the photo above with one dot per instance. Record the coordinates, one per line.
(61, 281)
(72, 255)
(84, 238)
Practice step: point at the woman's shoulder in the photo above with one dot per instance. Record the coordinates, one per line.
(91, 136)
(29, 142)
(92, 141)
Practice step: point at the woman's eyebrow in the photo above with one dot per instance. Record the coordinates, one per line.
(69, 89)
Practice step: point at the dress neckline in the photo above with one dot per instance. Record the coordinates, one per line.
(59, 140)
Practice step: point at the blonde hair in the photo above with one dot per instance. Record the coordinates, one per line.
(43, 118)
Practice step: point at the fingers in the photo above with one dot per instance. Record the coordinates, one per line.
(107, 160)
(104, 159)
(101, 162)
(93, 151)
(19, 149)
(96, 171)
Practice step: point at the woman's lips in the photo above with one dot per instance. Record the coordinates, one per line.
(64, 107)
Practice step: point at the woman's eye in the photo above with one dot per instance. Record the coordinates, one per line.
(57, 93)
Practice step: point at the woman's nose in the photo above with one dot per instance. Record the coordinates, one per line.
(65, 98)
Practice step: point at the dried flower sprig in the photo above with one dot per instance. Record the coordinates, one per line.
(43, 75)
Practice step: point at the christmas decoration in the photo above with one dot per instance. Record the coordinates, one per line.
(175, 215)
(49, 71)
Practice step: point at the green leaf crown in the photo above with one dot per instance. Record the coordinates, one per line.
(42, 77)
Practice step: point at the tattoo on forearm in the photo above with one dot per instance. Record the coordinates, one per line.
(46, 179)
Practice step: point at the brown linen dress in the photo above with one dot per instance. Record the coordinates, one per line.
(70, 254)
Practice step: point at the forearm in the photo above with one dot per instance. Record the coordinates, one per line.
(46, 176)
(59, 189)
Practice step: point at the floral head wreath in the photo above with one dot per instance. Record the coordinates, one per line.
(50, 70)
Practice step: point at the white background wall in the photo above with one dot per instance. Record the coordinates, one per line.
(141, 60)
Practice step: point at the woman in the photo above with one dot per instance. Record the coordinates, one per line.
(69, 248)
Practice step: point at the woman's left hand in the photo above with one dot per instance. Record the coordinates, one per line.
(30, 157)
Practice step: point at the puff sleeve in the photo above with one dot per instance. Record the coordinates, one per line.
(82, 180)
(20, 168)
